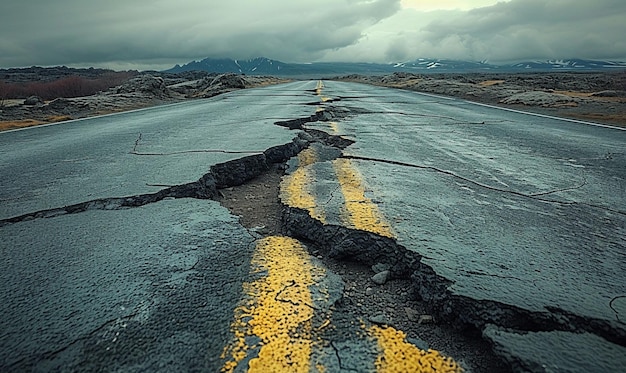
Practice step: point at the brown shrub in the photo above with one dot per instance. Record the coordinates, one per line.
(72, 86)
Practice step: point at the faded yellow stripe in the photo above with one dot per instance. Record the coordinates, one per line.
(279, 312)
(319, 87)
(398, 355)
(334, 128)
(296, 186)
(359, 211)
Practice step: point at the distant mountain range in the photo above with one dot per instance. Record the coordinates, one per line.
(266, 66)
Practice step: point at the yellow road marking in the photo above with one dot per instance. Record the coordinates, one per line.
(318, 91)
(319, 87)
(334, 127)
(398, 355)
(297, 191)
(359, 211)
(279, 312)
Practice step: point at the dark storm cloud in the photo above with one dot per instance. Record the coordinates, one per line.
(152, 32)
(502, 32)
(522, 29)
(157, 33)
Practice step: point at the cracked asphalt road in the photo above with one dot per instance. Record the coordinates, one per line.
(519, 220)
(115, 257)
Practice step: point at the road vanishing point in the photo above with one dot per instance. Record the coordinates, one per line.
(510, 228)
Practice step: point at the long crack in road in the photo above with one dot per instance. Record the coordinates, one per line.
(333, 282)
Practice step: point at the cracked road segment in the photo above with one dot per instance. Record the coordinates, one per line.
(277, 327)
(507, 226)
(398, 355)
(297, 184)
(517, 224)
(395, 354)
(273, 327)
(359, 211)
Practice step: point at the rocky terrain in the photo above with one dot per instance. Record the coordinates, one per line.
(590, 96)
(142, 90)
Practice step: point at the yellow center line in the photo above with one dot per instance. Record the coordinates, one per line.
(319, 87)
(273, 329)
(296, 190)
(279, 311)
(359, 211)
(398, 355)
(318, 92)
(334, 127)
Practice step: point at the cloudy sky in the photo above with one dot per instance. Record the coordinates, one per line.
(155, 34)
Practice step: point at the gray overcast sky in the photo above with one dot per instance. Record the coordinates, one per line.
(142, 34)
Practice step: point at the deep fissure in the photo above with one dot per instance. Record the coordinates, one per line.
(221, 175)
(348, 244)
(369, 248)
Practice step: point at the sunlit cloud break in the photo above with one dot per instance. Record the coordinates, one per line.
(148, 34)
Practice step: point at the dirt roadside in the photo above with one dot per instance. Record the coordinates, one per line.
(590, 96)
(145, 90)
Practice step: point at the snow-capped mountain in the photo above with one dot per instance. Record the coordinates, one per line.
(255, 66)
(266, 66)
(443, 64)
(570, 64)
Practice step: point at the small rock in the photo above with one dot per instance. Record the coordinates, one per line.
(59, 103)
(425, 319)
(412, 314)
(380, 267)
(306, 136)
(381, 277)
(380, 319)
(147, 84)
(419, 343)
(33, 100)
(369, 291)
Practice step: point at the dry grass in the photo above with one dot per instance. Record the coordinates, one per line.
(588, 95)
(407, 83)
(58, 118)
(489, 83)
(11, 125)
(613, 119)
(574, 94)
(23, 123)
(564, 104)
(10, 102)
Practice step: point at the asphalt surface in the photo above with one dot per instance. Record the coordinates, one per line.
(508, 223)
(126, 290)
(133, 289)
(523, 217)
(114, 258)
(138, 152)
